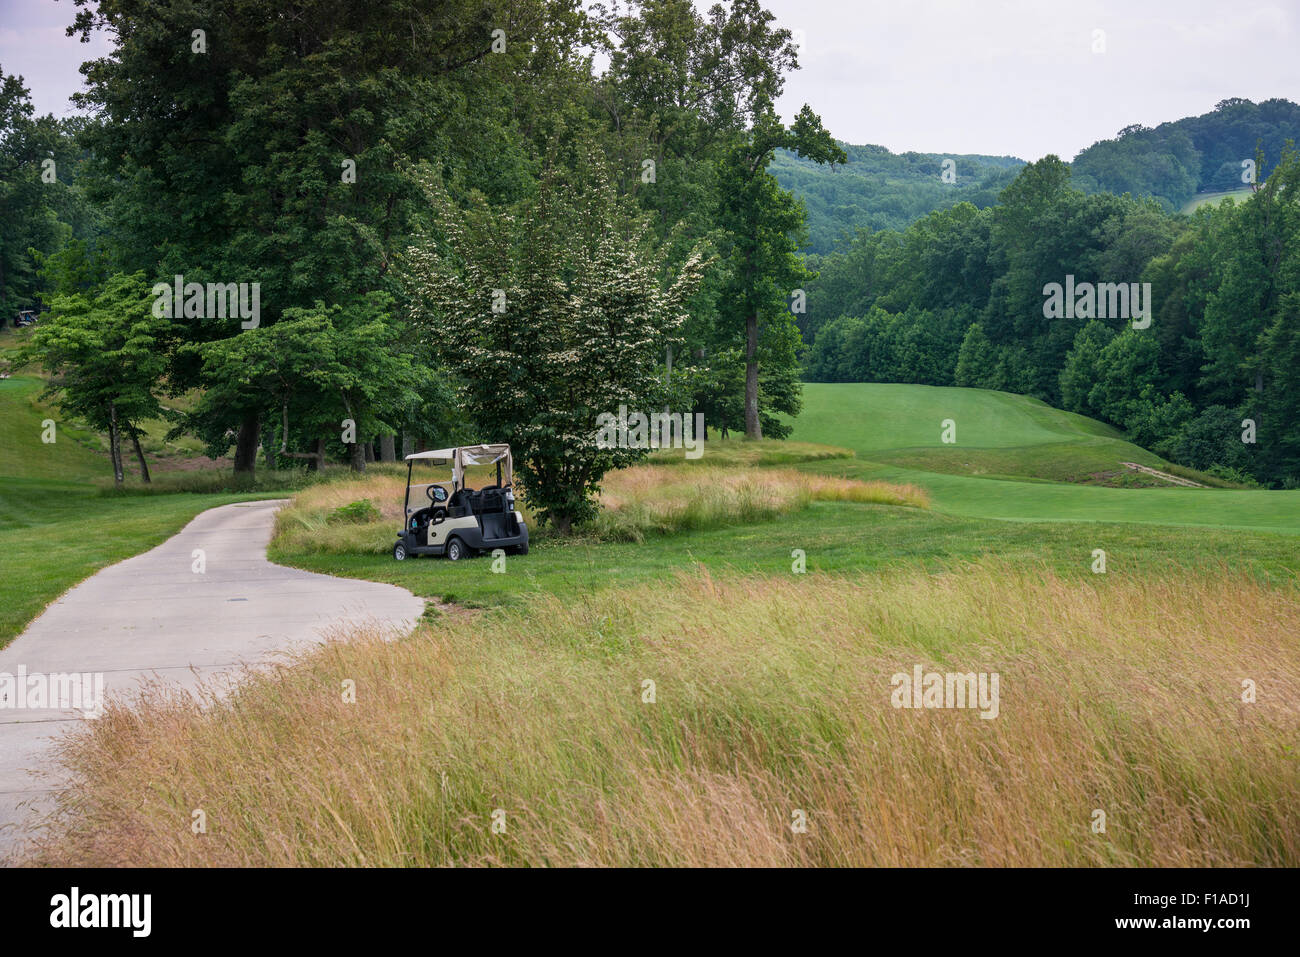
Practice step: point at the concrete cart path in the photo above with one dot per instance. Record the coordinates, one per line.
(154, 615)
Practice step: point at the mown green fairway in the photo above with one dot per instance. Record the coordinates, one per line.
(1029, 447)
(887, 417)
(836, 538)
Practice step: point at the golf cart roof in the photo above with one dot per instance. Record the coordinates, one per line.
(435, 454)
(466, 454)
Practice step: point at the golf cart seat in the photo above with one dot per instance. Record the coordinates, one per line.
(461, 503)
(495, 518)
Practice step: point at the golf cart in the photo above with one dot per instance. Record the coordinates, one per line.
(449, 518)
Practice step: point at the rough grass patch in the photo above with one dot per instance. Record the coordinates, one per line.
(772, 693)
(659, 500)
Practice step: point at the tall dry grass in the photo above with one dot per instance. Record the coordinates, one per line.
(661, 499)
(773, 694)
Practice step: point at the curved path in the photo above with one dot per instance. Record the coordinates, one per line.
(154, 615)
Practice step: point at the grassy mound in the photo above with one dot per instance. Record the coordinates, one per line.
(904, 424)
(23, 453)
(1018, 459)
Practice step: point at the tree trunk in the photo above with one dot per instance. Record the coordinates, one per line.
(269, 445)
(1259, 379)
(563, 524)
(139, 454)
(356, 454)
(115, 444)
(387, 449)
(370, 452)
(246, 444)
(753, 425)
(316, 461)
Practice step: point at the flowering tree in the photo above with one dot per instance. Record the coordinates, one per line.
(549, 314)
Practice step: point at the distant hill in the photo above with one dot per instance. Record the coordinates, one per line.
(1175, 162)
(884, 190)
(1197, 154)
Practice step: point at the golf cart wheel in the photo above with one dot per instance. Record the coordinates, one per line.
(399, 552)
(455, 549)
(521, 549)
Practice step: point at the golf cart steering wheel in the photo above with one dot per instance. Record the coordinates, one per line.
(436, 493)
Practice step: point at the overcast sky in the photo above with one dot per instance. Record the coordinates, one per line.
(1014, 77)
(1020, 77)
(33, 46)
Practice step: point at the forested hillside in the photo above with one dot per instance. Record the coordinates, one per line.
(877, 189)
(1200, 362)
(1173, 162)
(1196, 154)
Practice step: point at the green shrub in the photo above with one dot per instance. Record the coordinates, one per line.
(1229, 474)
(355, 513)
